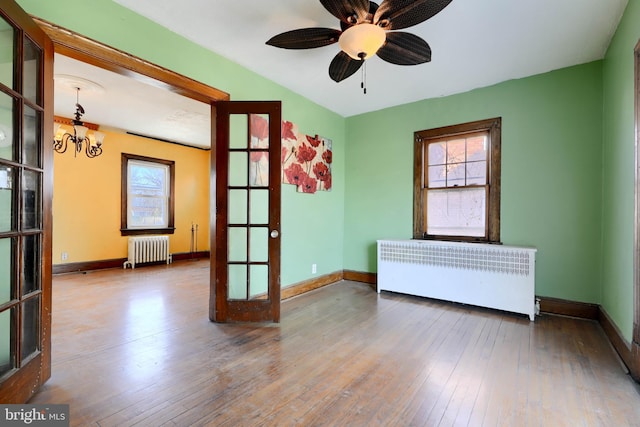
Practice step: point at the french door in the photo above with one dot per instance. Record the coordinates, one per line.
(245, 243)
(26, 187)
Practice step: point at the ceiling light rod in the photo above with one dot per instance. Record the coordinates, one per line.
(92, 148)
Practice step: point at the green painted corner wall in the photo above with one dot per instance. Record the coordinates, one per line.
(618, 175)
(551, 173)
(312, 225)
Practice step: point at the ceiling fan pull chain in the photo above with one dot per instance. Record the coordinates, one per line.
(363, 78)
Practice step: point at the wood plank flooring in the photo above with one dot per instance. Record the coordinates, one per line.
(136, 348)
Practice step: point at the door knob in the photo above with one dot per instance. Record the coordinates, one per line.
(274, 234)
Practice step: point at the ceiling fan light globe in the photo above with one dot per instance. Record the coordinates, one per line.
(362, 41)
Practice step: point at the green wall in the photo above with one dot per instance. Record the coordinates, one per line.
(312, 225)
(551, 173)
(618, 177)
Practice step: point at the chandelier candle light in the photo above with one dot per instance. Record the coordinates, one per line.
(93, 148)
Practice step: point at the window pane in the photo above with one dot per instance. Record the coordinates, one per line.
(259, 244)
(259, 172)
(437, 176)
(477, 173)
(31, 147)
(456, 151)
(147, 180)
(259, 286)
(237, 282)
(238, 175)
(238, 136)
(147, 212)
(7, 35)
(6, 332)
(456, 212)
(455, 175)
(237, 207)
(31, 72)
(260, 130)
(7, 111)
(148, 195)
(437, 153)
(477, 148)
(31, 199)
(30, 316)
(31, 263)
(7, 208)
(6, 270)
(259, 211)
(237, 244)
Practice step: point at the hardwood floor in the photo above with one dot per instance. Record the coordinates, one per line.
(136, 348)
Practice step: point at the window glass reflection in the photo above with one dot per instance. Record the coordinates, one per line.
(7, 55)
(31, 71)
(31, 200)
(7, 111)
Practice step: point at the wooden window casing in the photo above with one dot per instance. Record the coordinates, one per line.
(124, 227)
(422, 139)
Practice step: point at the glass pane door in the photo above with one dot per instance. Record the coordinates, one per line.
(26, 62)
(248, 204)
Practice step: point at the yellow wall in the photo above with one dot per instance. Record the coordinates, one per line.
(86, 198)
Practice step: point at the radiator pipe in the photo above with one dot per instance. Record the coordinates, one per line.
(191, 243)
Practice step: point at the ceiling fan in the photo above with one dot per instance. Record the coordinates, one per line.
(366, 30)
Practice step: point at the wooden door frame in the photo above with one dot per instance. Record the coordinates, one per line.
(74, 45)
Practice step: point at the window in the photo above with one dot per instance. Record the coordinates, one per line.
(147, 195)
(457, 182)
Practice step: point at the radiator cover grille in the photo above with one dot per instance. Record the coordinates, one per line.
(497, 259)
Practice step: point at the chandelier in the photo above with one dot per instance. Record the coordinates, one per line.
(93, 148)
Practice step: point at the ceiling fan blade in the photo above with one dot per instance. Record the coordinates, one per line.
(405, 49)
(305, 38)
(343, 66)
(348, 11)
(398, 14)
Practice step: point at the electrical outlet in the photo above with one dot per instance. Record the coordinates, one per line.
(65, 256)
(313, 269)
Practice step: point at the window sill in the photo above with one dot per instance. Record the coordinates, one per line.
(457, 239)
(141, 231)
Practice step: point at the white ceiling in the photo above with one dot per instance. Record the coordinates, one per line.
(124, 104)
(474, 43)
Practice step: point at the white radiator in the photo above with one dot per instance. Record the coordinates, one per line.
(147, 249)
(493, 276)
